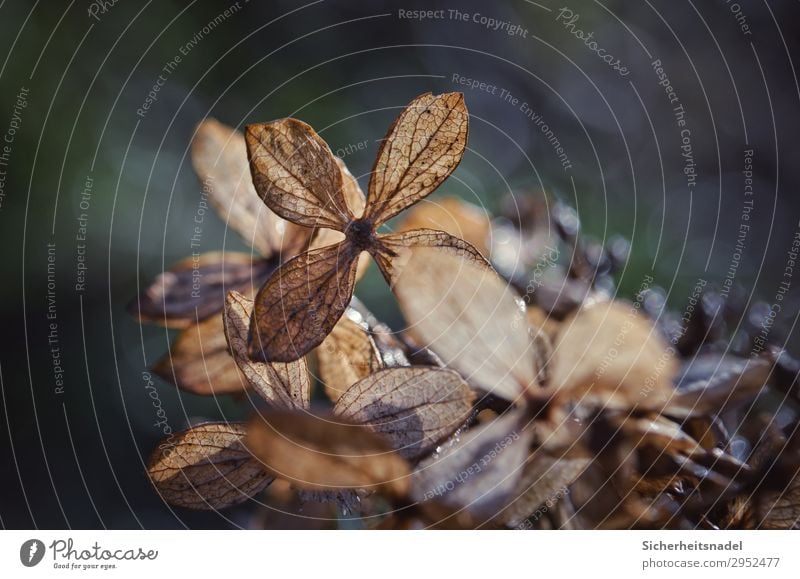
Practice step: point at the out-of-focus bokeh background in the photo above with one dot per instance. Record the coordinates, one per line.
(639, 114)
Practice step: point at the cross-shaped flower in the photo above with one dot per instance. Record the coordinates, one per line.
(297, 176)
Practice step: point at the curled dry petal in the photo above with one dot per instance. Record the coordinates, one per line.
(424, 145)
(219, 156)
(301, 303)
(481, 472)
(720, 382)
(200, 362)
(282, 385)
(454, 216)
(660, 433)
(469, 316)
(318, 453)
(545, 480)
(414, 407)
(395, 249)
(346, 356)
(206, 467)
(607, 355)
(194, 288)
(296, 174)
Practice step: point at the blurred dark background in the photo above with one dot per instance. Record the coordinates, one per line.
(73, 76)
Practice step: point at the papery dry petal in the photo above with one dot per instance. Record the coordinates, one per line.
(200, 361)
(607, 355)
(346, 356)
(296, 174)
(206, 467)
(396, 249)
(470, 317)
(544, 482)
(661, 433)
(780, 509)
(454, 216)
(718, 383)
(414, 407)
(423, 146)
(481, 471)
(538, 318)
(325, 237)
(219, 156)
(326, 452)
(353, 195)
(284, 385)
(301, 303)
(355, 201)
(194, 288)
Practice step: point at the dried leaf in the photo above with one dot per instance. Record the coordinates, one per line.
(609, 356)
(482, 471)
(346, 356)
(424, 145)
(282, 385)
(206, 467)
(396, 249)
(194, 288)
(301, 303)
(200, 361)
(219, 156)
(454, 216)
(317, 453)
(414, 407)
(296, 174)
(470, 317)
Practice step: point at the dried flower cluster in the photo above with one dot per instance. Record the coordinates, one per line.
(520, 395)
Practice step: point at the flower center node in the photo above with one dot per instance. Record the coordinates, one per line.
(360, 233)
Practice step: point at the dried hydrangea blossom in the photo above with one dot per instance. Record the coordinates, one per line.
(296, 175)
(409, 409)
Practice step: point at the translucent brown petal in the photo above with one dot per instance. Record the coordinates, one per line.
(301, 303)
(423, 146)
(712, 383)
(482, 471)
(395, 249)
(325, 452)
(282, 385)
(469, 316)
(353, 195)
(607, 355)
(200, 362)
(194, 288)
(206, 467)
(219, 156)
(296, 174)
(414, 407)
(346, 356)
